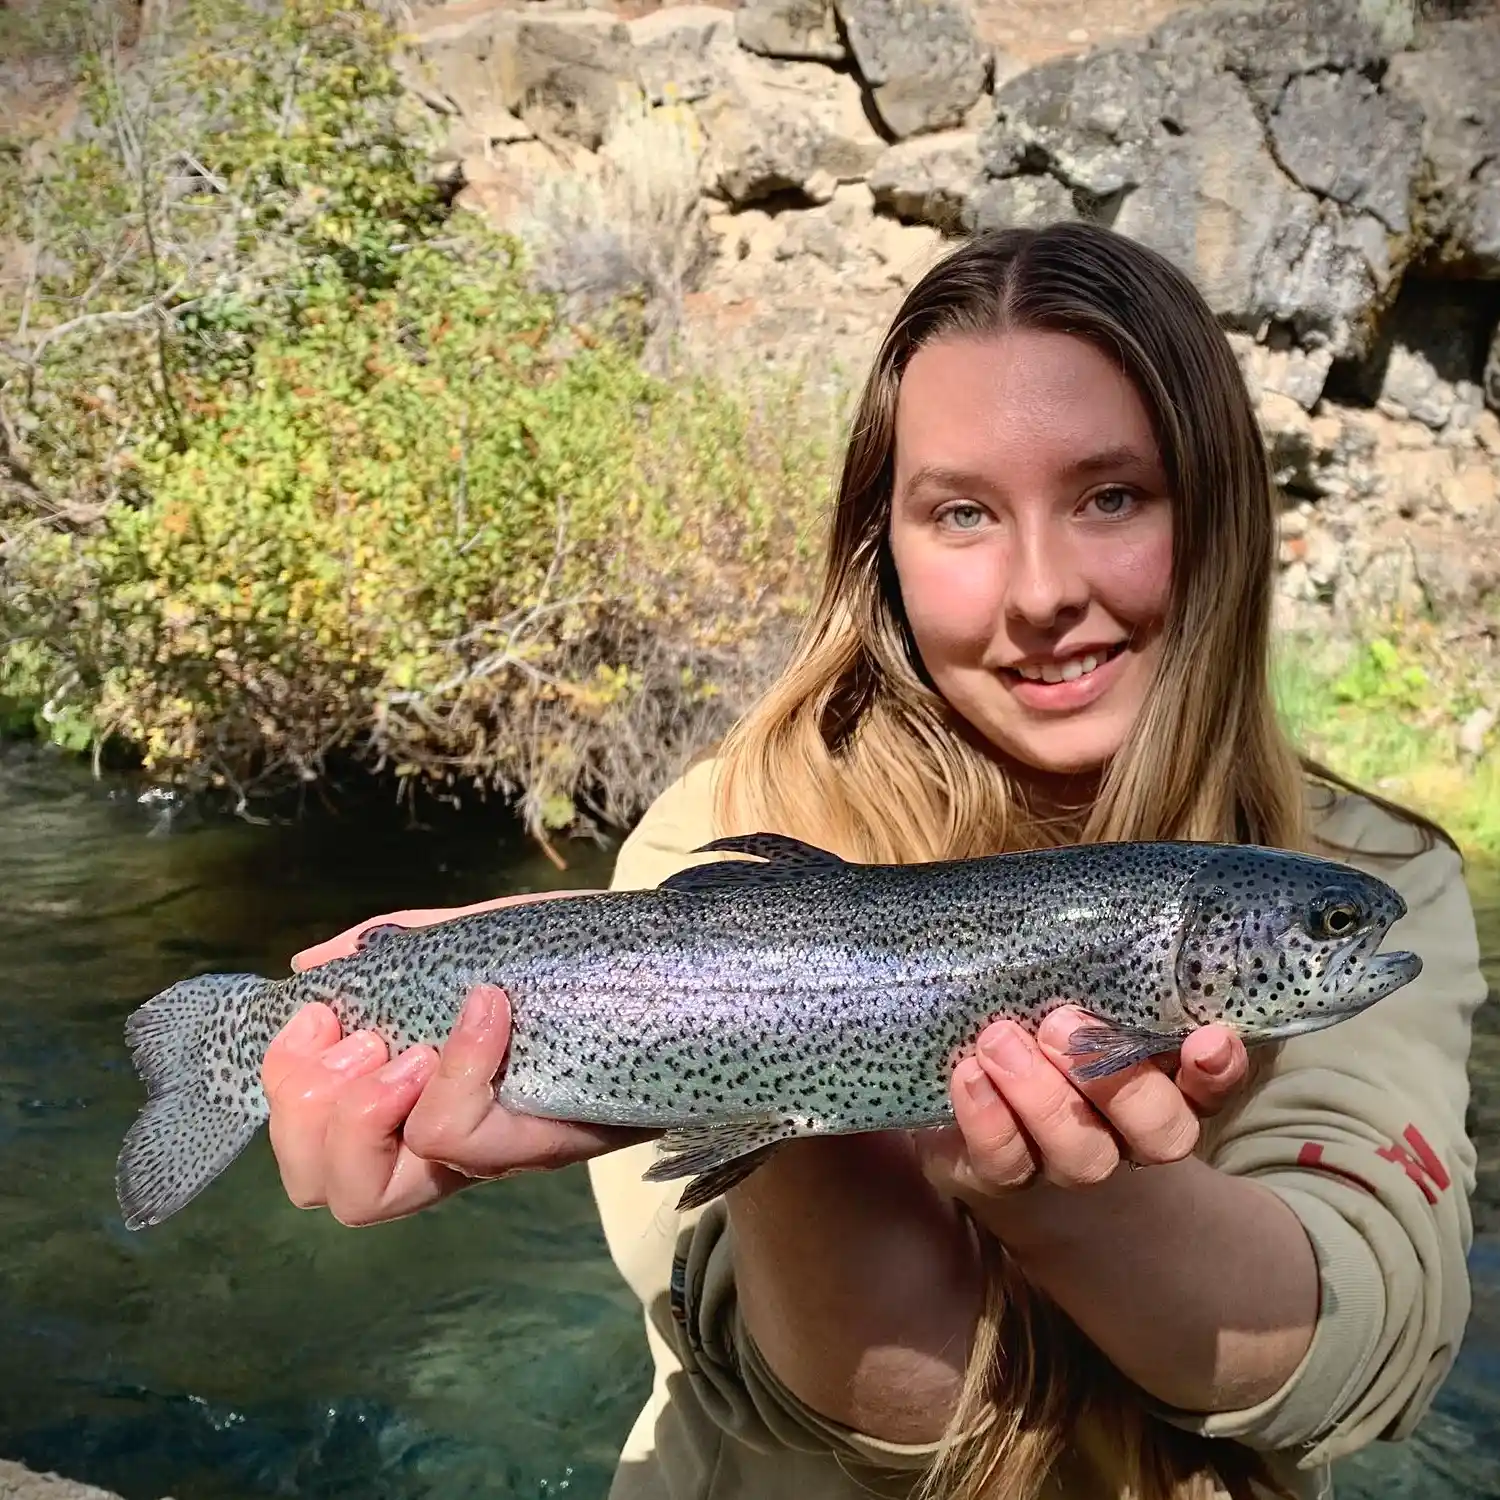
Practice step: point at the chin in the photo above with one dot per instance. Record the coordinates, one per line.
(1070, 750)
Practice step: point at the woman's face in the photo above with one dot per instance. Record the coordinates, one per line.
(1032, 535)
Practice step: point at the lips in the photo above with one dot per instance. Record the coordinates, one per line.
(1068, 669)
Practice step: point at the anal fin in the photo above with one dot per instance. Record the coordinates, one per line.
(1115, 1048)
(717, 1157)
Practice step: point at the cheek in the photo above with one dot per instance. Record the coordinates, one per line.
(1136, 579)
(951, 596)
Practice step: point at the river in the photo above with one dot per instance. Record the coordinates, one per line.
(243, 1349)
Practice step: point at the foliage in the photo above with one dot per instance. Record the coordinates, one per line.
(1390, 714)
(313, 470)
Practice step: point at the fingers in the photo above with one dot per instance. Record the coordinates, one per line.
(460, 1096)
(990, 1150)
(1150, 1117)
(303, 1104)
(1214, 1066)
(309, 1033)
(370, 1175)
(1021, 1113)
(1074, 1145)
(458, 1123)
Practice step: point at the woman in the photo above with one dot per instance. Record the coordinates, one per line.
(1045, 617)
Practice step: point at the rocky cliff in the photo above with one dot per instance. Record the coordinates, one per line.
(1328, 170)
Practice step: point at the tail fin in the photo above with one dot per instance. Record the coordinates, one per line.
(204, 1100)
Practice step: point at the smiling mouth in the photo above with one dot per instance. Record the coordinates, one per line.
(1069, 669)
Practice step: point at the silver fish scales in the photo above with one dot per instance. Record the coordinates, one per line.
(749, 1001)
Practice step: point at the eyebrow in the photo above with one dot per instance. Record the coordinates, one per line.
(1121, 456)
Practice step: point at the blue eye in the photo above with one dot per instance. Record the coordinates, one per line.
(1114, 501)
(963, 517)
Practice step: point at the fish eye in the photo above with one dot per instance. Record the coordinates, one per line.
(1333, 918)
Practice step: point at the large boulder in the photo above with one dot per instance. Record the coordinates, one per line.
(1453, 75)
(927, 180)
(1492, 374)
(564, 73)
(922, 59)
(805, 30)
(683, 53)
(778, 127)
(1250, 144)
(1340, 136)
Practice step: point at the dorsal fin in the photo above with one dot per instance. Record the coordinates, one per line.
(778, 859)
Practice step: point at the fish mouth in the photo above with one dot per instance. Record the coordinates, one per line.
(1383, 975)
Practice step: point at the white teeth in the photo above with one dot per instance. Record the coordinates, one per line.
(1068, 671)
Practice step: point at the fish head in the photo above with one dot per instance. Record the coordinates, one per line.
(1276, 944)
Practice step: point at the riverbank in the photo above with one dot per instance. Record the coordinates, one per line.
(17, 1482)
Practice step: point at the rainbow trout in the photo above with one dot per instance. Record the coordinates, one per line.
(748, 1001)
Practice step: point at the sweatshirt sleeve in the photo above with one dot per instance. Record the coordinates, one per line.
(1360, 1129)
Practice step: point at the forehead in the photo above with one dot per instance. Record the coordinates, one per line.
(1028, 397)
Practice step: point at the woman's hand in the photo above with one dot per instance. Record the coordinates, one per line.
(374, 1139)
(1022, 1117)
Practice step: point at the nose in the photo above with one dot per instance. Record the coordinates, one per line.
(1044, 584)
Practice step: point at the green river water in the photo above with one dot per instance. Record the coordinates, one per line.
(244, 1349)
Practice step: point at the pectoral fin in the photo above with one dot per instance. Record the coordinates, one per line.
(1118, 1048)
(716, 1157)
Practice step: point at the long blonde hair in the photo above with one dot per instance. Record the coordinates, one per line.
(854, 749)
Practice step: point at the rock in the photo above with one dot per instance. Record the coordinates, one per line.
(1269, 42)
(1454, 575)
(922, 59)
(1091, 121)
(786, 126)
(1492, 374)
(566, 74)
(1278, 367)
(20, 1483)
(1454, 76)
(476, 134)
(683, 54)
(1212, 200)
(562, 72)
(1472, 493)
(795, 29)
(1164, 139)
(1413, 388)
(1291, 448)
(1429, 362)
(928, 180)
(1339, 136)
(1323, 275)
(1017, 202)
(1474, 730)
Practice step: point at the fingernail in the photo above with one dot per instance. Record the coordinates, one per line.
(977, 1083)
(408, 1065)
(1217, 1059)
(301, 1029)
(478, 1011)
(349, 1053)
(1009, 1051)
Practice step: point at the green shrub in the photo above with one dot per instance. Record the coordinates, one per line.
(312, 470)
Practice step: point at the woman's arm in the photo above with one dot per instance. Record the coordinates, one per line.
(859, 1282)
(1199, 1287)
